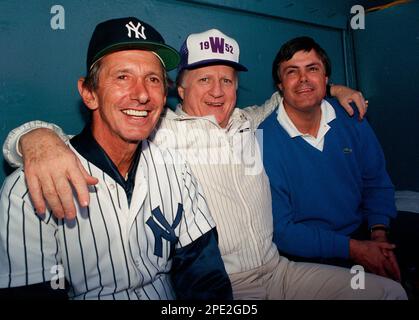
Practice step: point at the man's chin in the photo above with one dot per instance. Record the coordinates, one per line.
(309, 101)
(136, 138)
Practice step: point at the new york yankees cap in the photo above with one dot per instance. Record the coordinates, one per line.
(129, 33)
(209, 48)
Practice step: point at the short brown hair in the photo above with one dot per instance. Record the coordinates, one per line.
(288, 49)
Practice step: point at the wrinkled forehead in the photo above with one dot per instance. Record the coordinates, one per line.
(211, 70)
(144, 58)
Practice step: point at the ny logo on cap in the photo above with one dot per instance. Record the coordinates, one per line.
(131, 27)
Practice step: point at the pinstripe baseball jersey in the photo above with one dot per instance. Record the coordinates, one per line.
(228, 165)
(112, 250)
(237, 191)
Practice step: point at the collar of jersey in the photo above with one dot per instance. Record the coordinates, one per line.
(88, 148)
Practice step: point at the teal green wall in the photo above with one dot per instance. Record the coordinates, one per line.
(387, 59)
(39, 66)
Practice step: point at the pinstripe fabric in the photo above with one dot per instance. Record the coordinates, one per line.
(239, 201)
(108, 252)
(227, 163)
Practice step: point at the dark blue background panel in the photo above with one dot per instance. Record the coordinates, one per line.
(387, 58)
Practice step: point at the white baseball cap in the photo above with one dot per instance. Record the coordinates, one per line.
(209, 48)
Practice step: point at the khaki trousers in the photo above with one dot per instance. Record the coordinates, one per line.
(284, 279)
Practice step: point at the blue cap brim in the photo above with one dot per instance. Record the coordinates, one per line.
(168, 55)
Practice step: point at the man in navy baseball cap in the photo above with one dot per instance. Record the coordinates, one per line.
(129, 33)
(140, 191)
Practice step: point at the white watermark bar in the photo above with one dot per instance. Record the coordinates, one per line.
(213, 147)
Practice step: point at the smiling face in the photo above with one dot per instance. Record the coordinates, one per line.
(303, 81)
(128, 100)
(209, 91)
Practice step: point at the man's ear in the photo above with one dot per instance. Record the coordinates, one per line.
(88, 96)
(279, 85)
(181, 92)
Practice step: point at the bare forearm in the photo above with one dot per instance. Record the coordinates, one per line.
(52, 170)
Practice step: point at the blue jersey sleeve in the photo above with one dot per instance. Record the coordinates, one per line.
(198, 271)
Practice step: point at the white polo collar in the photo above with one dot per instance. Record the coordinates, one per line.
(328, 115)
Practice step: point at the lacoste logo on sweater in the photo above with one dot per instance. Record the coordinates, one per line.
(347, 150)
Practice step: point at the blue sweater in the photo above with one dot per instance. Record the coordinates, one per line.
(320, 198)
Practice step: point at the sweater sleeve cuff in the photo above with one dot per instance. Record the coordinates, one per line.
(341, 247)
(378, 219)
(11, 151)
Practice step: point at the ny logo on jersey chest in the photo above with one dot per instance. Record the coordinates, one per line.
(166, 232)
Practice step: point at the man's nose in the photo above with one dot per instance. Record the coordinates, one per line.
(140, 92)
(303, 76)
(217, 89)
